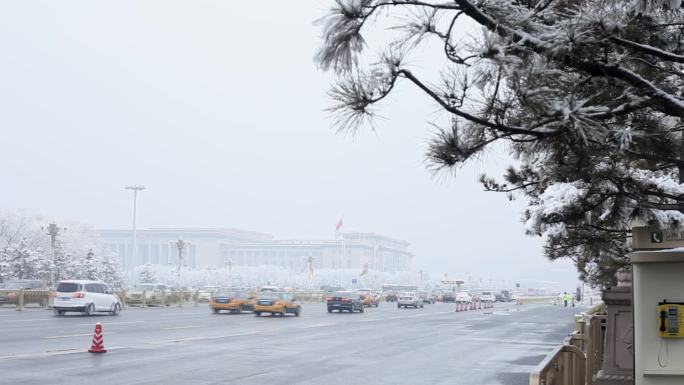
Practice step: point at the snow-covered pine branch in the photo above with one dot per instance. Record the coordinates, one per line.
(586, 94)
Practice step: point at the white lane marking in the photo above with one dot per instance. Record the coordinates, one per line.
(29, 320)
(73, 335)
(202, 338)
(43, 354)
(116, 323)
(317, 325)
(467, 338)
(183, 327)
(417, 315)
(51, 353)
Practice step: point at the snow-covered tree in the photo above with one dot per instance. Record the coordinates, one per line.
(255, 276)
(145, 274)
(25, 251)
(587, 96)
(89, 268)
(23, 262)
(109, 269)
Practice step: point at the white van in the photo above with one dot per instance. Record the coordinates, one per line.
(487, 296)
(86, 297)
(463, 297)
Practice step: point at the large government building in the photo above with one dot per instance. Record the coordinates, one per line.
(220, 247)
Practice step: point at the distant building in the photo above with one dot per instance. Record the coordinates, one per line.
(352, 251)
(216, 247)
(156, 246)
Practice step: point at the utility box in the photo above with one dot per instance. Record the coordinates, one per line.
(658, 303)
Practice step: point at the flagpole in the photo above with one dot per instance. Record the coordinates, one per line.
(337, 235)
(338, 226)
(342, 261)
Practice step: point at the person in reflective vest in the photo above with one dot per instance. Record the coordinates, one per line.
(566, 297)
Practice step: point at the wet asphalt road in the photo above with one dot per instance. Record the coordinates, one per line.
(190, 345)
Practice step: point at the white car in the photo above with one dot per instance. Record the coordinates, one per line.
(86, 297)
(463, 297)
(409, 299)
(487, 296)
(204, 294)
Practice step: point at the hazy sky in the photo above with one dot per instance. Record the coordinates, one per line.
(217, 107)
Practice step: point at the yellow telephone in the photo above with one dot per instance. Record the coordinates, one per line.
(671, 316)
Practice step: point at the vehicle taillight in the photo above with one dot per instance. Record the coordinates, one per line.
(346, 300)
(78, 295)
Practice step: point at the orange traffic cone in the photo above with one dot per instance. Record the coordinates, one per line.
(98, 341)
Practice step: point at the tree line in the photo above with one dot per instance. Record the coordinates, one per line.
(26, 252)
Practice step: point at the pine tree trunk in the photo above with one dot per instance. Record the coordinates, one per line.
(681, 156)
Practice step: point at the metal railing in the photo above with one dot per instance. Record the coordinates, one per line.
(162, 298)
(22, 298)
(578, 359)
(565, 365)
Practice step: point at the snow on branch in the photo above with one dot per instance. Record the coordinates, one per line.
(586, 95)
(342, 35)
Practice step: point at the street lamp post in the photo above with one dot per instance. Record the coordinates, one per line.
(180, 245)
(135, 189)
(309, 270)
(53, 231)
(230, 272)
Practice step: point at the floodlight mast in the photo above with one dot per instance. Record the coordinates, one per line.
(135, 189)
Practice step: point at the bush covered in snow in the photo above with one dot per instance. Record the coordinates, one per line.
(255, 276)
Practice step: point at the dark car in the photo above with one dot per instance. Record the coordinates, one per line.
(504, 296)
(391, 296)
(345, 301)
(448, 296)
(427, 297)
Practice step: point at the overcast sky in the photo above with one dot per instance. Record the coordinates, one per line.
(218, 108)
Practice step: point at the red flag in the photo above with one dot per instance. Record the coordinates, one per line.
(338, 225)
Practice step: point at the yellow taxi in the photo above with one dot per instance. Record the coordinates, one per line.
(232, 300)
(277, 303)
(368, 298)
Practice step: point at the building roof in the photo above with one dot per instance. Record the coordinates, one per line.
(236, 234)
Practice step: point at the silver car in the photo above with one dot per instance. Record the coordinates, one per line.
(409, 299)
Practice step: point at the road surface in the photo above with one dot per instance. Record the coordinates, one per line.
(190, 345)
